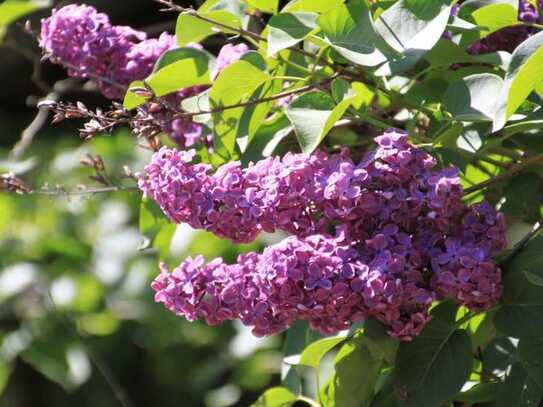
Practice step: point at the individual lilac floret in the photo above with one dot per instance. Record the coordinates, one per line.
(315, 279)
(228, 54)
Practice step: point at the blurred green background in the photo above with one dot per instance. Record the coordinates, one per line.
(78, 325)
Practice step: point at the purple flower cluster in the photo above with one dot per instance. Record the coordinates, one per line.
(89, 46)
(508, 38)
(402, 237)
(319, 279)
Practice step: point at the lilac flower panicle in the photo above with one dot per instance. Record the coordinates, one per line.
(85, 41)
(316, 279)
(401, 237)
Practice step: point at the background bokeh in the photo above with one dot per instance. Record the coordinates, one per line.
(78, 325)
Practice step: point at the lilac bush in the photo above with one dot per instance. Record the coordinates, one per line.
(401, 231)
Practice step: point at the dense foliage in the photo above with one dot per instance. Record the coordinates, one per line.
(392, 147)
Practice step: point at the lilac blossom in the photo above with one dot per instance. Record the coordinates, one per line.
(318, 279)
(401, 237)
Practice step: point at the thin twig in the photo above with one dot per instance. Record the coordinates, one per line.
(514, 170)
(280, 95)
(28, 134)
(86, 191)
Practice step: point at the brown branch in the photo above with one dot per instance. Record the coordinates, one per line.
(511, 172)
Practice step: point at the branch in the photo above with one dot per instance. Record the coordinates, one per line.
(511, 172)
(60, 191)
(28, 134)
(171, 6)
(258, 101)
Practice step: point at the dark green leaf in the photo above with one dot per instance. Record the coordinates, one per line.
(519, 389)
(480, 393)
(530, 353)
(357, 371)
(434, 366)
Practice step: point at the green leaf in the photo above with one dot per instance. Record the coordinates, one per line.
(350, 32)
(378, 341)
(190, 29)
(131, 100)
(313, 115)
(434, 366)
(519, 389)
(295, 342)
(530, 353)
(61, 361)
(312, 6)
(409, 33)
(473, 98)
(276, 397)
(288, 29)
(357, 371)
(11, 10)
(198, 103)
(203, 58)
(266, 6)
(151, 218)
(239, 82)
(494, 17)
(523, 75)
(312, 355)
(340, 89)
(521, 314)
(480, 393)
(446, 53)
(178, 75)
